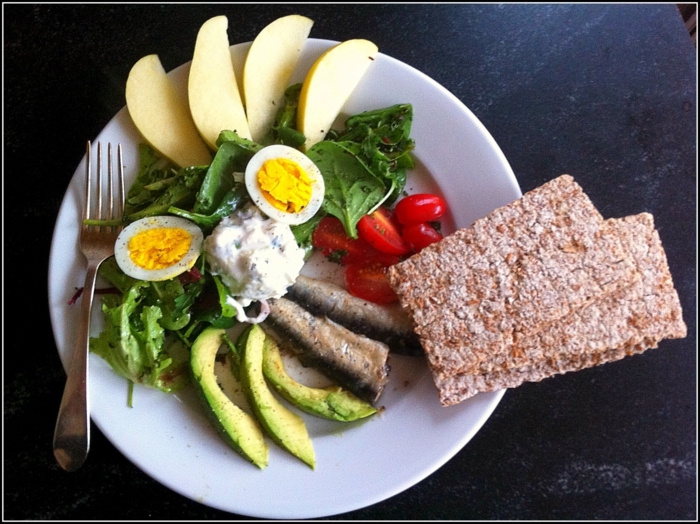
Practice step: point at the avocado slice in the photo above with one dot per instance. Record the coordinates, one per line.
(333, 402)
(286, 428)
(238, 428)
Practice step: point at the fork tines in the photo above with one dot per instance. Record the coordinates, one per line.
(95, 212)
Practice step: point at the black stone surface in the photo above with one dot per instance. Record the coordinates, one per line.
(606, 93)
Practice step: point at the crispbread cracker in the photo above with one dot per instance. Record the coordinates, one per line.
(639, 239)
(511, 274)
(455, 389)
(622, 323)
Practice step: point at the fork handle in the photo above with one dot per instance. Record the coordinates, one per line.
(71, 440)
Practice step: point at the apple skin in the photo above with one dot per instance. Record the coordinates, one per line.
(162, 116)
(269, 65)
(215, 101)
(328, 85)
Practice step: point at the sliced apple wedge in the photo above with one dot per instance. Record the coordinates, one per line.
(162, 116)
(215, 101)
(268, 67)
(328, 85)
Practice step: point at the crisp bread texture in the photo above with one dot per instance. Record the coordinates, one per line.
(524, 266)
(624, 322)
(458, 388)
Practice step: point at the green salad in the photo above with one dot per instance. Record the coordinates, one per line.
(150, 326)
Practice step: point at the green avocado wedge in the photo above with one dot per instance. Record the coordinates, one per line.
(287, 429)
(238, 428)
(333, 402)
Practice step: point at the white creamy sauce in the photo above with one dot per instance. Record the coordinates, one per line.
(256, 258)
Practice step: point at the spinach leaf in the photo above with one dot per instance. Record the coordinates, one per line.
(154, 175)
(234, 199)
(227, 310)
(244, 143)
(303, 232)
(232, 156)
(284, 130)
(352, 190)
(179, 192)
(386, 144)
(365, 165)
(208, 311)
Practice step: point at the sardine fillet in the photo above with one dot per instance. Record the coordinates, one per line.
(389, 324)
(352, 361)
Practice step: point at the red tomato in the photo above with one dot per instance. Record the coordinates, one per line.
(419, 236)
(330, 237)
(416, 209)
(369, 282)
(381, 231)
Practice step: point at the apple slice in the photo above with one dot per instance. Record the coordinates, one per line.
(328, 85)
(215, 102)
(268, 67)
(161, 115)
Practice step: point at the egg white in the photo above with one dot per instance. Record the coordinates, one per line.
(123, 258)
(281, 151)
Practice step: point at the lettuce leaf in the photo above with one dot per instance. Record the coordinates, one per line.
(149, 325)
(133, 342)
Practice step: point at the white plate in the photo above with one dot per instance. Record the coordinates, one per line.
(360, 464)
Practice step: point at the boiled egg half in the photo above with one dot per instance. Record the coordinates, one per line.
(158, 247)
(284, 184)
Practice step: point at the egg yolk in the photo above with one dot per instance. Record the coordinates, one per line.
(285, 185)
(160, 247)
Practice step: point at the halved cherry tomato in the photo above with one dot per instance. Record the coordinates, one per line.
(369, 282)
(419, 208)
(381, 231)
(419, 236)
(330, 237)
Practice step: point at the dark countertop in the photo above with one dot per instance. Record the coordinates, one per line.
(606, 93)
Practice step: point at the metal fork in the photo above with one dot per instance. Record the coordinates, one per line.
(71, 441)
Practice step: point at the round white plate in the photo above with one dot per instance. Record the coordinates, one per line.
(358, 464)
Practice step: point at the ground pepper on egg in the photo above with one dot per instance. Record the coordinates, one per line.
(160, 247)
(285, 185)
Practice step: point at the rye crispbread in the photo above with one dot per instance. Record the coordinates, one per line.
(623, 323)
(511, 274)
(621, 299)
(458, 388)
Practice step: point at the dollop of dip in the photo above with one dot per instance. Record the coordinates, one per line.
(257, 258)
